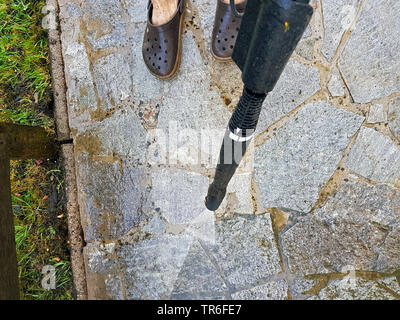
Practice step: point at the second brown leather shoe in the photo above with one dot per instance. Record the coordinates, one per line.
(162, 44)
(225, 30)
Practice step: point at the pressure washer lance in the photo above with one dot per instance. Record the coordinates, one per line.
(268, 35)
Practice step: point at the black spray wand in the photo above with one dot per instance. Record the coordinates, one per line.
(269, 33)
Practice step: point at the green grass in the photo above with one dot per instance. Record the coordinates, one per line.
(37, 186)
(24, 62)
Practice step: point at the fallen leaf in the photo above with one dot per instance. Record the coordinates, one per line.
(60, 216)
(56, 259)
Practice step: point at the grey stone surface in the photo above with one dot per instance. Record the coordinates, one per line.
(110, 197)
(338, 17)
(351, 229)
(335, 86)
(357, 290)
(245, 249)
(375, 156)
(154, 226)
(113, 80)
(179, 194)
(292, 166)
(191, 109)
(371, 61)
(394, 117)
(305, 48)
(389, 257)
(119, 135)
(152, 266)
(301, 286)
(376, 114)
(241, 198)
(297, 83)
(198, 277)
(392, 283)
(101, 258)
(137, 10)
(148, 234)
(276, 290)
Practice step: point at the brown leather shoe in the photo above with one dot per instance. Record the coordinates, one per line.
(225, 31)
(162, 44)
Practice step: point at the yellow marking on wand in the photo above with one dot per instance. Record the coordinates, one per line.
(287, 27)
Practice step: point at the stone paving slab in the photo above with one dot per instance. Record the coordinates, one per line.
(316, 197)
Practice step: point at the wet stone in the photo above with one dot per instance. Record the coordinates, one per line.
(300, 287)
(349, 231)
(113, 80)
(394, 117)
(375, 156)
(370, 61)
(110, 197)
(191, 110)
(152, 266)
(297, 83)
(179, 194)
(239, 193)
(389, 258)
(198, 278)
(154, 226)
(120, 135)
(392, 284)
(292, 166)
(81, 93)
(276, 290)
(353, 289)
(245, 249)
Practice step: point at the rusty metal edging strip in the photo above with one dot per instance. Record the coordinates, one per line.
(75, 231)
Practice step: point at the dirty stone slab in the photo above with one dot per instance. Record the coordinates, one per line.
(113, 81)
(198, 278)
(389, 257)
(394, 117)
(300, 286)
(376, 113)
(151, 267)
(111, 197)
(305, 48)
(297, 83)
(245, 249)
(238, 195)
(103, 280)
(375, 156)
(179, 194)
(370, 63)
(335, 85)
(349, 231)
(338, 17)
(120, 135)
(292, 166)
(353, 289)
(191, 110)
(276, 290)
(392, 283)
